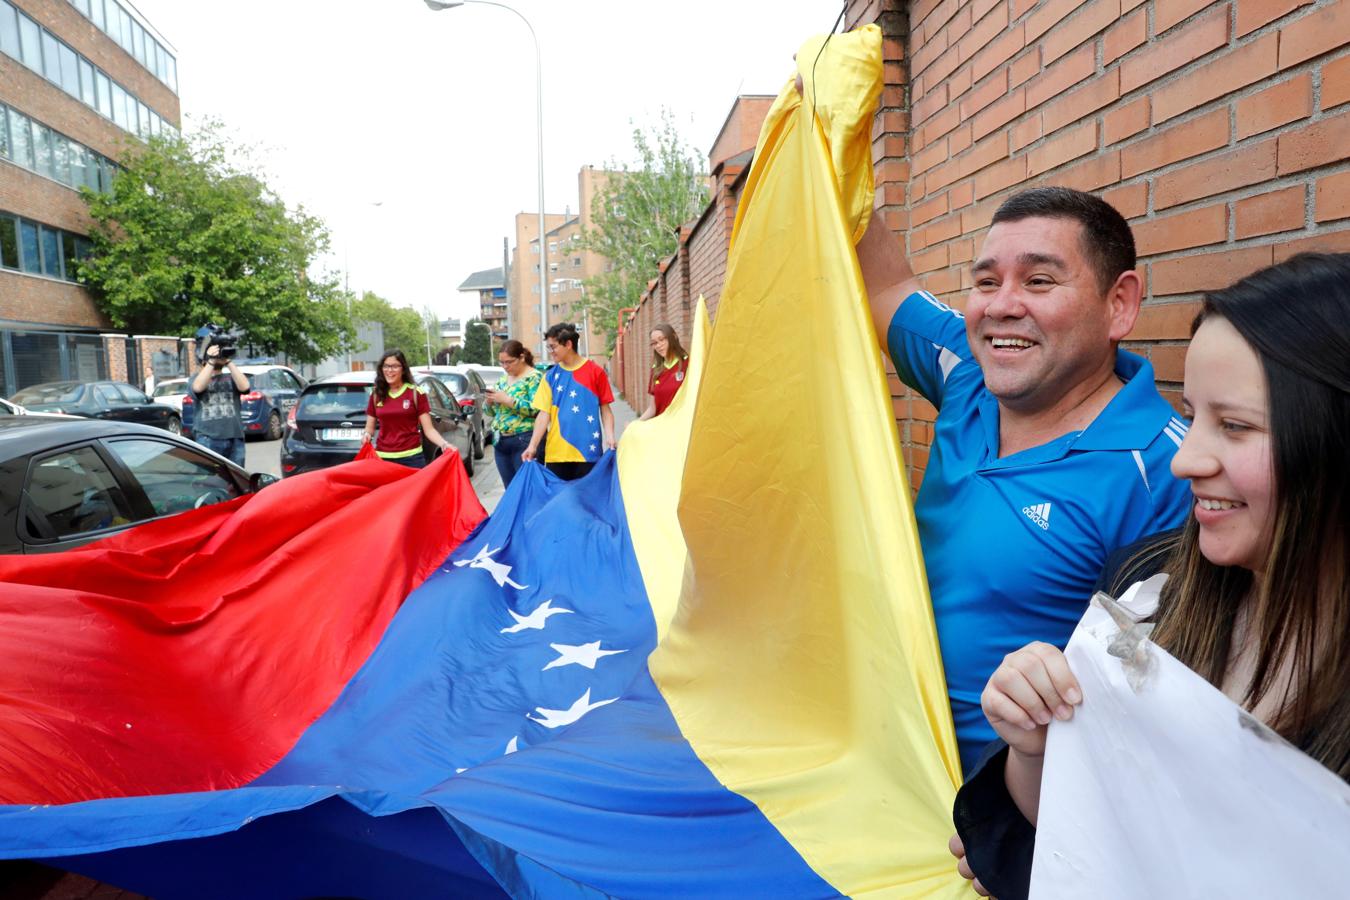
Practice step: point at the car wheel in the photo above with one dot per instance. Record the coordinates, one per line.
(174, 425)
(274, 429)
(478, 443)
(468, 462)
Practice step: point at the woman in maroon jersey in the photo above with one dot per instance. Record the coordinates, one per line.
(401, 410)
(670, 366)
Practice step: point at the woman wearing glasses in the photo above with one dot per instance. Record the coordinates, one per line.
(401, 410)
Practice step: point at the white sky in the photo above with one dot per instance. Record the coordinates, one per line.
(432, 114)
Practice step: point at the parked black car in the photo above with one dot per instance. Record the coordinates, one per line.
(325, 426)
(468, 389)
(111, 400)
(66, 482)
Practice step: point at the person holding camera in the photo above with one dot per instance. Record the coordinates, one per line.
(216, 389)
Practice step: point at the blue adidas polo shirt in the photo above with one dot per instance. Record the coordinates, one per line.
(1013, 546)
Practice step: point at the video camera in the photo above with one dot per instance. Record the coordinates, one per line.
(209, 336)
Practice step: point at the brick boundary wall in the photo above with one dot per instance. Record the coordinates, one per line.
(1220, 130)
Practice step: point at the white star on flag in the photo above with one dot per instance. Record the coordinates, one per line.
(571, 393)
(536, 619)
(590, 418)
(556, 718)
(511, 746)
(500, 572)
(595, 434)
(579, 655)
(576, 409)
(592, 446)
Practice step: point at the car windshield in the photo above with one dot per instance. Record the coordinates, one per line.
(455, 382)
(490, 374)
(334, 400)
(61, 392)
(169, 388)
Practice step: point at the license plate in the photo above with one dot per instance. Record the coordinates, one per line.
(341, 434)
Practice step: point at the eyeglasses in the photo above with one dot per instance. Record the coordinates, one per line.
(395, 366)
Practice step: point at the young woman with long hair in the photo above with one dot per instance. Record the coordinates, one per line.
(512, 399)
(400, 409)
(670, 365)
(1257, 599)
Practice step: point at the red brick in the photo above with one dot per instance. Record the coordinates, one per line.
(941, 176)
(1093, 18)
(1125, 121)
(1092, 174)
(1024, 67)
(892, 170)
(978, 216)
(1048, 16)
(1224, 75)
(1100, 91)
(1275, 106)
(930, 156)
(930, 103)
(929, 260)
(1003, 175)
(927, 52)
(1316, 145)
(1315, 34)
(961, 251)
(1022, 7)
(985, 94)
(943, 281)
(941, 14)
(1167, 13)
(984, 154)
(961, 195)
(1322, 242)
(1057, 79)
(926, 212)
(1238, 168)
(984, 32)
(1208, 271)
(1252, 14)
(1335, 82)
(922, 9)
(960, 138)
(1131, 200)
(940, 124)
(942, 230)
(959, 82)
(944, 66)
(1025, 132)
(1185, 45)
(1270, 213)
(1332, 198)
(1181, 231)
(1169, 362)
(980, 7)
(1181, 141)
(999, 51)
(1124, 36)
(959, 25)
(1164, 321)
(1068, 146)
(999, 114)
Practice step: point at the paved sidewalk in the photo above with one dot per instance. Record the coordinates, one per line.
(488, 483)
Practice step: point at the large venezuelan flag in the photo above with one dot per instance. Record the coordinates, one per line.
(707, 669)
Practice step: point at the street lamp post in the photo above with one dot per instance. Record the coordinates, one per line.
(438, 5)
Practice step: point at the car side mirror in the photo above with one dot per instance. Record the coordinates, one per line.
(259, 480)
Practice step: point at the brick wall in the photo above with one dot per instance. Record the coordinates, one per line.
(1220, 130)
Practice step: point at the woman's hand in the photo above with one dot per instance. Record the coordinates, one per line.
(499, 397)
(958, 849)
(1032, 686)
(367, 437)
(528, 455)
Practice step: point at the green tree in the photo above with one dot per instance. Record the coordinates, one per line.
(637, 215)
(190, 233)
(403, 328)
(477, 343)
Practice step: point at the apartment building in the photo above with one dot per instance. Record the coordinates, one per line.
(78, 80)
(493, 307)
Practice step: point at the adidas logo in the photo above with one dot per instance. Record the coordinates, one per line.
(1040, 514)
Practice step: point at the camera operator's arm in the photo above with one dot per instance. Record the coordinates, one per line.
(240, 379)
(209, 370)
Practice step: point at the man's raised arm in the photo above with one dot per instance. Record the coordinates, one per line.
(886, 273)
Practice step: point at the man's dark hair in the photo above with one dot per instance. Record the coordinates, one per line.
(1108, 242)
(564, 333)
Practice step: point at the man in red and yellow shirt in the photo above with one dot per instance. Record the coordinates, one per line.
(573, 409)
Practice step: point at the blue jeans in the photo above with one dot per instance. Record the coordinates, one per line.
(230, 448)
(506, 454)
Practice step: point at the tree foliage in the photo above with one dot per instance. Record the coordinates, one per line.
(190, 234)
(403, 327)
(636, 217)
(477, 343)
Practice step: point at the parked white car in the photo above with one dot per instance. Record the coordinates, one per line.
(170, 392)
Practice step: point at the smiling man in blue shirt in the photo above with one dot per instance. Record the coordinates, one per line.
(1052, 446)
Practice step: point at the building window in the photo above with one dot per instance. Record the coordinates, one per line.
(21, 140)
(9, 243)
(30, 256)
(576, 262)
(553, 267)
(534, 248)
(51, 251)
(9, 31)
(534, 289)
